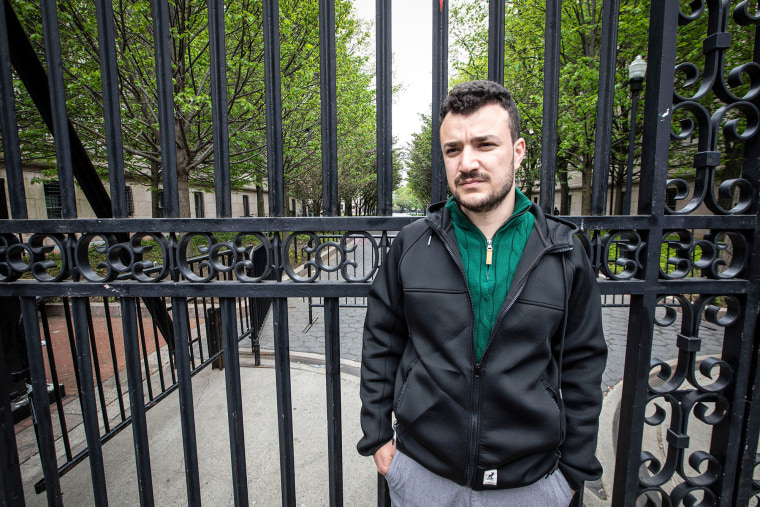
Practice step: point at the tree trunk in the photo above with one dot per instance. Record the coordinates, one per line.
(619, 188)
(564, 192)
(183, 188)
(588, 184)
(260, 212)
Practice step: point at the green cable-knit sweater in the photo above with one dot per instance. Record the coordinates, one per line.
(489, 283)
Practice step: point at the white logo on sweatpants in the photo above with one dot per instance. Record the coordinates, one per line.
(489, 478)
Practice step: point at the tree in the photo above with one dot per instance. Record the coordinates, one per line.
(191, 77)
(419, 162)
(405, 200)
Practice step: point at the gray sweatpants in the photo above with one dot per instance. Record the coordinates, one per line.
(412, 485)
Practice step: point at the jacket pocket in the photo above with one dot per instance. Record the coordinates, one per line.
(559, 407)
(405, 382)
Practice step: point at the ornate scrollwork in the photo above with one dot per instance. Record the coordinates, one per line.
(693, 392)
(719, 255)
(689, 343)
(197, 257)
(738, 88)
(621, 250)
(44, 256)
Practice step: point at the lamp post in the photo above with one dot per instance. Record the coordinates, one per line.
(636, 71)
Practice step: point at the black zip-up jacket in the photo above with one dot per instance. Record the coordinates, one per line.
(510, 412)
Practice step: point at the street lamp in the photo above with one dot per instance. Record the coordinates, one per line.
(636, 71)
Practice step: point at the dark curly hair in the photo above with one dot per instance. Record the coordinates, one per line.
(468, 97)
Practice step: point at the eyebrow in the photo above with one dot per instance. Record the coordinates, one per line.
(487, 137)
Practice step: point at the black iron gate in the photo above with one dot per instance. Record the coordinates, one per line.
(719, 284)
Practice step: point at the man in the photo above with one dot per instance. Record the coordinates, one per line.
(483, 334)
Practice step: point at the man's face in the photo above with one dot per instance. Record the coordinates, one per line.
(480, 157)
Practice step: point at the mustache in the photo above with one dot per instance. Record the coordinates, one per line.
(475, 174)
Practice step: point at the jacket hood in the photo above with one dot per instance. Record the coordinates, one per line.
(554, 230)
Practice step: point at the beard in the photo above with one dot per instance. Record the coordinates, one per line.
(482, 204)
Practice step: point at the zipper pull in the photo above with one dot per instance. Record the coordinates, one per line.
(489, 252)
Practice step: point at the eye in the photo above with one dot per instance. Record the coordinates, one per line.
(451, 151)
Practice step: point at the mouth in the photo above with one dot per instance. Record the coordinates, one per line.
(469, 183)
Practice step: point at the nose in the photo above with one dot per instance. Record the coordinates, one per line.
(469, 159)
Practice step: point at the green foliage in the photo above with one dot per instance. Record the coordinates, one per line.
(405, 200)
(419, 162)
(190, 60)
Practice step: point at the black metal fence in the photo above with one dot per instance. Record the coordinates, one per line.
(719, 393)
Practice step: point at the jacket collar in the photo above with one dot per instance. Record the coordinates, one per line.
(552, 232)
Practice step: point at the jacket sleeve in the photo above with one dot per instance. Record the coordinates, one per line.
(583, 361)
(385, 337)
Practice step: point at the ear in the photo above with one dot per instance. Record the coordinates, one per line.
(519, 149)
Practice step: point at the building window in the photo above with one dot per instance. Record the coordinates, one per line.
(246, 206)
(130, 202)
(161, 208)
(570, 204)
(53, 199)
(200, 211)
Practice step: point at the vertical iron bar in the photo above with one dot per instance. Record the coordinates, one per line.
(9, 124)
(111, 109)
(496, 22)
(161, 28)
(95, 362)
(604, 105)
(79, 308)
(11, 484)
(329, 107)
(218, 54)
(273, 93)
(745, 480)
(137, 400)
(54, 380)
(234, 401)
(72, 343)
(384, 51)
(116, 376)
(284, 401)
(663, 23)
(658, 100)
(552, 38)
(332, 374)
(744, 483)
(159, 359)
(634, 397)
(726, 438)
(40, 404)
(186, 410)
(440, 89)
(383, 494)
(58, 102)
(635, 88)
(141, 327)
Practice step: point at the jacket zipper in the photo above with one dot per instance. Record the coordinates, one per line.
(477, 368)
(489, 257)
(476, 383)
(520, 286)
